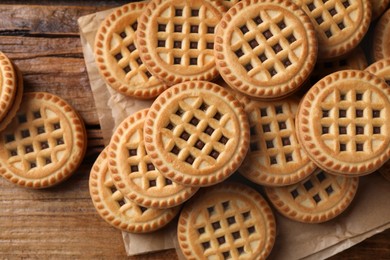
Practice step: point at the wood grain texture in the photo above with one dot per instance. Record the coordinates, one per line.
(41, 37)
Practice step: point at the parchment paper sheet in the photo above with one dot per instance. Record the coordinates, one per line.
(369, 213)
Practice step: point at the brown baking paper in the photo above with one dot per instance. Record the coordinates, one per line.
(368, 214)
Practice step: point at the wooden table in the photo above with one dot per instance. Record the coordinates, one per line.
(42, 38)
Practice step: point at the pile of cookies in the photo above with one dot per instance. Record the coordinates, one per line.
(42, 138)
(276, 91)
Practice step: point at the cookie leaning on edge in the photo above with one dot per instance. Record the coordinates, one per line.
(133, 172)
(226, 221)
(118, 211)
(343, 123)
(196, 133)
(44, 144)
(117, 55)
(8, 85)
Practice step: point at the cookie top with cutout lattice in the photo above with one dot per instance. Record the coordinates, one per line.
(196, 133)
(176, 39)
(226, 221)
(318, 198)
(381, 69)
(270, 53)
(343, 122)
(133, 171)
(340, 24)
(44, 144)
(117, 55)
(117, 210)
(275, 156)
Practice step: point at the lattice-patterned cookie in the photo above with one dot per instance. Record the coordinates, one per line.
(275, 156)
(381, 41)
(270, 53)
(343, 123)
(44, 143)
(381, 69)
(317, 199)
(8, 85)
(17, 100)
(226, 221)
(340, 24)
(176, 39)
(117, 56)
(133, 172)
(117, 210)
(196, 133)
(378, 7)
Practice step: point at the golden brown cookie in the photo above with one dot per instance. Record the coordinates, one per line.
(196, 133)
(230, 3)
(8, 85)
(118, 211)
(265, 49)
(117, 55)
(381, 40)
(318, 198)
(226, 221)
(340, 24)
(275, 156)
(133, 172)
(176, 39)
(44, 144)
(16, 101)
(381, 69)
(343, 123)
(378, 7)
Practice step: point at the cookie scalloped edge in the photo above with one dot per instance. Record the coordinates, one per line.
(112, 218)
(250, 193)
(270, 92)
(150, 141)
(112, 81)
(120, 182)
(289, 212)
(9, 85)
(378, 66)
(309, 144)
(163, 74)
(79, 137)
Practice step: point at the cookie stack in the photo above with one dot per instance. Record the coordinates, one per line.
(293, 112)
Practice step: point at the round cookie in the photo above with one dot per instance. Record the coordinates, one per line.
(8, 85)
(118, 211)
(226, 221)
(44, 143)
(265, 49)
(343, 123)
(317, 199)
(381, 41)
(196, 133)
(133, 172)
(275, 156)
(176, 39)
(117, 55)
(340, 24)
